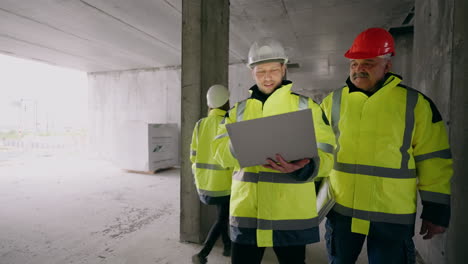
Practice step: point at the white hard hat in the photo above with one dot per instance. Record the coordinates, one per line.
(217, 96)
(266, 49)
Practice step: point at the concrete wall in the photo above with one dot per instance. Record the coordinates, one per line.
(457, 244)
(433, 51)
(240, 81)
(432, 76)
(440, 67)
(150, 95)
(403, 59)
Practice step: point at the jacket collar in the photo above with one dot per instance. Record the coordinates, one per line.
(216, 111)
(257, 94)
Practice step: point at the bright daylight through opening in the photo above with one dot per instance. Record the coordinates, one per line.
(44, 109)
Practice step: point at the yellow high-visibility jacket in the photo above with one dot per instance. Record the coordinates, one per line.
(269, 208)
(213, 182)
(388, 146)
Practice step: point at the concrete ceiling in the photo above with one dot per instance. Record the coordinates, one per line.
(107, 35)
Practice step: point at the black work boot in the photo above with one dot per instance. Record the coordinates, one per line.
(227, 250)
(199, 259)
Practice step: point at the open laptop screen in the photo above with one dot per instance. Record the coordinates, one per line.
(291, 135)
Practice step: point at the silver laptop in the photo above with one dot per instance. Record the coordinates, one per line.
(292, 135)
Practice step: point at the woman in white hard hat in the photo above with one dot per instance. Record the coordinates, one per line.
(213, 182)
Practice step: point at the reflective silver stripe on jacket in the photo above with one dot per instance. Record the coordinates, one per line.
(411, 100)
(214, 193)
(403, 172)
(231, 149)
(272, 177)
(292, 224)
(197, 125)
(240, 111)
(441, 198)
(221, 136)
(375, 171)
(303, 102)
(404, 219)
(209, 166)
(443, 154)
(335, 117)
(325, 147)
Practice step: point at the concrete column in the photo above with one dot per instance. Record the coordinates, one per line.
(433, 51)
(441, 64)
(432, 56)
(457, 236)
(205, 57)
(403, 61)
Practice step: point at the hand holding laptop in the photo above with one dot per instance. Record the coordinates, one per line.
(283, 166)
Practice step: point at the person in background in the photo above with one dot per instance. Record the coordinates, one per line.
(213, 181)
(391, 143)
(273, 205)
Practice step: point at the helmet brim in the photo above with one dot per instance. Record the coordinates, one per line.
(362, 55)
(280, 60)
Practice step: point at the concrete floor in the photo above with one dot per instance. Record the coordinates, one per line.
(66, 208)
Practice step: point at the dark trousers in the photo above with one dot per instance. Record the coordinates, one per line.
(251, 254)
(383, 247)
(219, 228)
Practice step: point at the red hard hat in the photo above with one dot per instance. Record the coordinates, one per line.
(371, 43)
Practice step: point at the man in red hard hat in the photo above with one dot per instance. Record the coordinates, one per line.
(391, 143)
